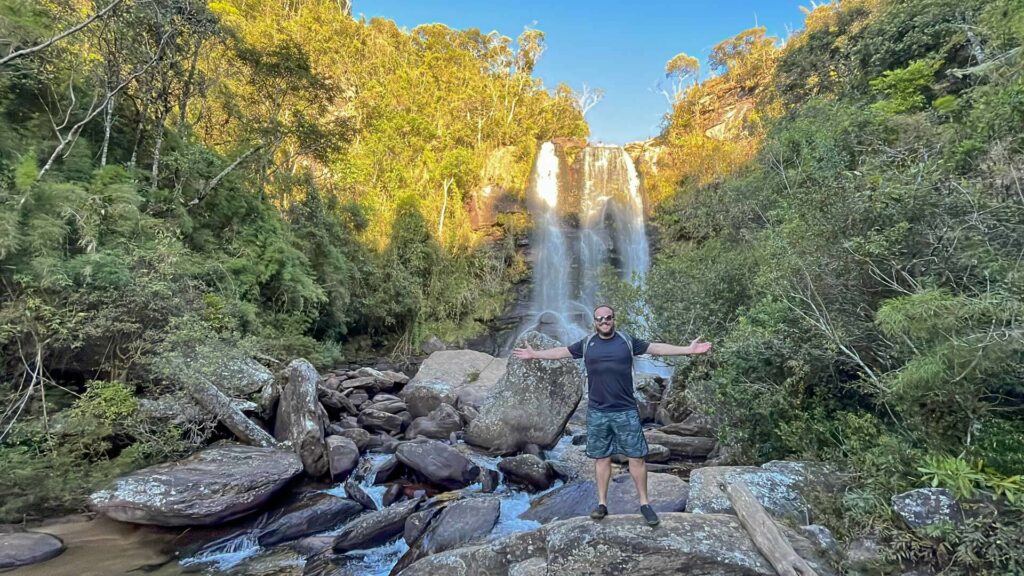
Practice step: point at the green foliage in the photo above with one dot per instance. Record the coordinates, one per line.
(904, 88)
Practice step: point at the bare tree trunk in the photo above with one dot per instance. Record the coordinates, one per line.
(765, 533)
(155, 171)
(108, 120)
(210, 398)
(444, 206)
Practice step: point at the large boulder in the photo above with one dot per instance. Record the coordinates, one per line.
(439, 463)
(782, 487)
(378, 421)
(693, 425)
(667, 493)
(468, 374)
(926, 506)
(24, 548)
(456, 525)
(210, 487)
(424, 396)
(531, 404)
(527, 470)
(710, 545)
(318, 513)
(300, 418)
(439, 424)
(375, 528)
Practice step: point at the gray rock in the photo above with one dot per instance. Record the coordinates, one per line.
(342, 455)
(319, 513)
(24, 548)
(489, 480)
(927, 506)
(692, 425)
(417, 523)
(432, 345)
(439, 463)
(531, 404)
(531, 567)
(299, 418)
(865, 557)
(458, 524)
(656, 453)
(210, 487)
(648, 390)
(779, 486)
(469, 374)
(681, 446)
(439, 424)
(358, 397)
(375, 528)
(377, 421)
(527, 470)
(426, 395)
(822, 539)
(709, 545)
(360, 437)
(667, 493)
(390, 406)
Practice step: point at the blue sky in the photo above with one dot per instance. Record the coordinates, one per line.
(617, 46)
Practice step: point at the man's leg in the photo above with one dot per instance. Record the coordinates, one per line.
(638, 470)
(604, 474)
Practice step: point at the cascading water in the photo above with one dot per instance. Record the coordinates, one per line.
(569, 259)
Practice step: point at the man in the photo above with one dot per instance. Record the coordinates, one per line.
(613, 419)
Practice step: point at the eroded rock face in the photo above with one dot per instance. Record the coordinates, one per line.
(927, 506)
(210, 487)
(781, 487)
(531, 404)
(667, 493)
(24, 548)
(708, 544)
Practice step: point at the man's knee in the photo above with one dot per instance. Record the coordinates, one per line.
(636, 462)
(603, 461)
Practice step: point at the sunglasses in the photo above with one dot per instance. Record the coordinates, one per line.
(608, 318)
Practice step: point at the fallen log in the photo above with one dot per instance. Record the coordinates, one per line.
(211, 399)
(765, 533)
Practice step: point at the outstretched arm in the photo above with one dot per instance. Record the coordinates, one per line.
(662, 349)
(529, 353)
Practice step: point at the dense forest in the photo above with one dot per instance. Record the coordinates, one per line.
(191, 181)
(840, 213)
(843, 216)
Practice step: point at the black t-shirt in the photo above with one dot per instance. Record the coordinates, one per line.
(610, 371)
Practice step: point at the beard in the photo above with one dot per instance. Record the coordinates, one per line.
(605, 329)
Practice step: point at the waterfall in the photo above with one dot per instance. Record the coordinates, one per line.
(579, 232)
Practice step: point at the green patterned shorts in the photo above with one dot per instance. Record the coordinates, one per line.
(615, 433)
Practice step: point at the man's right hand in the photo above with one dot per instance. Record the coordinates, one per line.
(526, 353)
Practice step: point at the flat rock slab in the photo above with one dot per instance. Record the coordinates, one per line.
(667, 493)
(24, 548)
(705, 544)
(210, 487)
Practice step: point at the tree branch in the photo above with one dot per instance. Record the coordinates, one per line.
(60, 36)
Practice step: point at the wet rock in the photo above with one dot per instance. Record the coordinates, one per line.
(438, 463)
(342, 455)
(667, 493)
(390, 406)
(299, 418)
(681, 446)
(527, 470)
(927, 506)
(312, 545)
(781, 487)
(456, 525)
(390, 469)
(375, 528)
(210, 487)
(319, 513)
(531, 404)
(655, 453)
(489, 480)
(416, 523)
(24, 548)
(491, 558)
(377, 421)
(393, 494)
(439, 424)
(356, 493)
